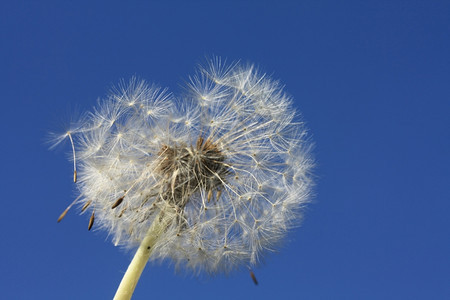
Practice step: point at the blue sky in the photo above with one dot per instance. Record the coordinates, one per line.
(370, 78)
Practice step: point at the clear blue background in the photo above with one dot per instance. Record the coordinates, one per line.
(370, 78)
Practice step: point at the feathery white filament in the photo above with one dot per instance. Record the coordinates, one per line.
(227, 158)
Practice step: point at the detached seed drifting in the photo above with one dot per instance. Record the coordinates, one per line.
(91, 221)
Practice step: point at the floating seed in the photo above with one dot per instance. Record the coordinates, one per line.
(252, 275)
(61, 216)
(91, 221)
(85, 206)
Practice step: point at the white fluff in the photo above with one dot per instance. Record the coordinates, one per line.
(142, 144)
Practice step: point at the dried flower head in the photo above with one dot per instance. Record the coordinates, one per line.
(225, 166)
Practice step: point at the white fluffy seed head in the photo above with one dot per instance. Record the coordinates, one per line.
(226, 161)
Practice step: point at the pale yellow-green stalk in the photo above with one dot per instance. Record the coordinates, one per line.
(137, 265)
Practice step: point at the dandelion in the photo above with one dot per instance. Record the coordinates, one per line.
(211, 181)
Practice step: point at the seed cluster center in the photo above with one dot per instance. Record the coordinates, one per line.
(190, 169)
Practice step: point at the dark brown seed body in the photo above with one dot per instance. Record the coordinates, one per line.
(91, 221)
(118, 202)
(252, 275)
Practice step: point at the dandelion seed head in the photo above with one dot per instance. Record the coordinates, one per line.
(226, 162)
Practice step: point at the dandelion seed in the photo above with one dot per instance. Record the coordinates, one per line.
(118, 202)
(62, 215)
(86, 205)
(252, 275)
(211, 184)
(91, 221)
(209, 195)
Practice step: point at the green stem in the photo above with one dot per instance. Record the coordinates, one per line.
(137, 265)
